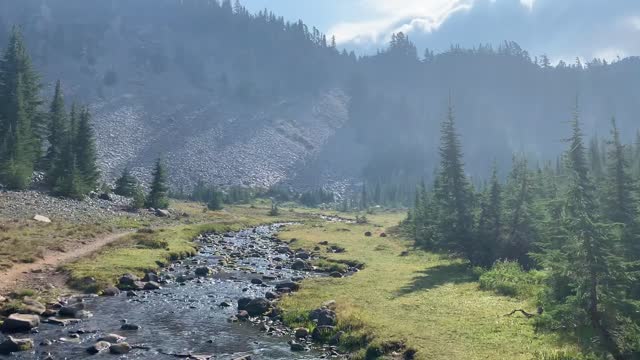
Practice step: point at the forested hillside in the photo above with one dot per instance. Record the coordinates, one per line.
(229, 97)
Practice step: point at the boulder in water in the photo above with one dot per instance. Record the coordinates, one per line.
(203, 271)
(16, 323)
(113, 338)
(259, 306)
(99, 347)
(13, 345)
(243, 302)
(121, 348)
(151, 285)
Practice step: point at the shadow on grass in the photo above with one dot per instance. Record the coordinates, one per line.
(437, 276)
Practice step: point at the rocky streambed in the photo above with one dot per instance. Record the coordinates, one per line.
(220, 304)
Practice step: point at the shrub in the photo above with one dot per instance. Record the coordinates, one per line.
(509, 279)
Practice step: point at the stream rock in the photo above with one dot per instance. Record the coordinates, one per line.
(299, 264)
(12, 345)
(121, 348)
(323, 316)
(99, 347)
(16, 323)
(113, 338)
(111, 291)
(30, 306)
(259, 306)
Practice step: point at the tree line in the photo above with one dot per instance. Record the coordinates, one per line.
(577, 221)
(56, 143)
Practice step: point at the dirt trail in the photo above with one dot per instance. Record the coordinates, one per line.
(44, 273)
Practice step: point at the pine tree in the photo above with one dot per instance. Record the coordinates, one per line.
(521, 233)
(15, 66)
(158, 195)
(595, 158)
(66, 178)
(85, 150)
(364, 200)
(489, 234)
(17, 152)
(584, 273)
(126, 185)
(57, 134)
(453, 193)
(620, 207)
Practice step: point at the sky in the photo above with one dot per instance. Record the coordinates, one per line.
(561, 29)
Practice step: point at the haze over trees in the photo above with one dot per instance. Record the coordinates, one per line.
(59, 144)
(508, 99)
(581, 231)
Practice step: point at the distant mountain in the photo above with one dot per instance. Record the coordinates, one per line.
(234, 98)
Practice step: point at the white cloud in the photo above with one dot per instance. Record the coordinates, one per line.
(528, 3)
(397, 15)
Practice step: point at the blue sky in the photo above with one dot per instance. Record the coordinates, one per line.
(562, 29)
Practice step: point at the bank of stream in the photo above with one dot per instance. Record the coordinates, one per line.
(195, 312)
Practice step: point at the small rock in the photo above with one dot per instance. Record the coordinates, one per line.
(297, 346)
(162, 213)
(243, 315)
(42, 219)
(151, 285)
(323, 316)
(224, 304)
(111, 291)
(271, 295)
(299, 264)
(336, 274)
(368, 233)
(30, 306)
(121, 348)
(256, 281)
(302, 333)
(99, 347)
(129, 327)
(113, 338)
(12, 345)
(383, 234)
(259, 306)
(203, 271)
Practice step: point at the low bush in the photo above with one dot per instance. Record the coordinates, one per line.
(509, 279)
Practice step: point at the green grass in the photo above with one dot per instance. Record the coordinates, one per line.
(430, 302)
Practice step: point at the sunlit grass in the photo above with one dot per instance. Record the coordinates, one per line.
(431, 302)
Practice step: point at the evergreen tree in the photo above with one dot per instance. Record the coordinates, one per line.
(126, 185)
(595, 157)
(57, 134)
(520, 229)
(620, 207)
(17, 151)
(158, 195)
(453, 194)
(15, 66)
(66, 178)
(139, 198)
(364, 201)
(489, 234)
(585, 275)
(85, 149)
